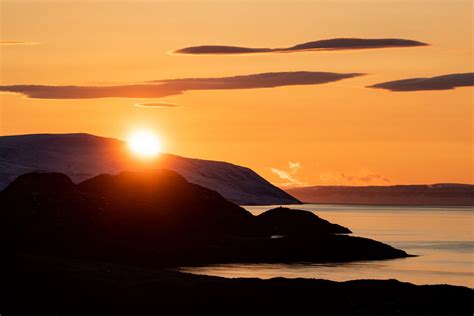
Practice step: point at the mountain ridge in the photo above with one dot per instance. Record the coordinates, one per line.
(82, 156)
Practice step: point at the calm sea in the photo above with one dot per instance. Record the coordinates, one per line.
(441, 236)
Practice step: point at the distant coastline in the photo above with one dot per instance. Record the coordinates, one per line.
(362, 205)
(397, 195)
(395, 205)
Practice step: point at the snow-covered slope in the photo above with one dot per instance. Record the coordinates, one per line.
(82, 156)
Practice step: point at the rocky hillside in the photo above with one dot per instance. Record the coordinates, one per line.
(159, 218)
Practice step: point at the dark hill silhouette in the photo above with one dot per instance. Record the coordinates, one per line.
(165, 205)
(161, 219)
(285, 221)
(33, 285)
(41, 211)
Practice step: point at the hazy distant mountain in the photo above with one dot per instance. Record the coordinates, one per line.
(82, 156)
(435, 194)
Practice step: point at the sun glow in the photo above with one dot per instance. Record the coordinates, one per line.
(144, 144)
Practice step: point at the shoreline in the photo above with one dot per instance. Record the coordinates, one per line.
(71, 287)
(362, 205)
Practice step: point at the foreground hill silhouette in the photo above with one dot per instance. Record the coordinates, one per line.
(83, 156)
(38, 285)
(99, 248)
(162, 219)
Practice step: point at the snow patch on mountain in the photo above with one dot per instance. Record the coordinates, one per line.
(82, 156)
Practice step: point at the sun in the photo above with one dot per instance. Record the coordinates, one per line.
(144, 144)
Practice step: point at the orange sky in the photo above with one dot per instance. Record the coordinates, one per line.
(334, 131)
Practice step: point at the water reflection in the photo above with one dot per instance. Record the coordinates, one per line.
(441, 236)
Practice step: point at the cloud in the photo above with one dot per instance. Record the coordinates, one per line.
(262, 80)
(294, 166)
(445, 82)
(288, 176)
(156, 105)
(321, 45)
(15, 43)
(221, 49)
(90, 92)
(363, 177)
(163, 88)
